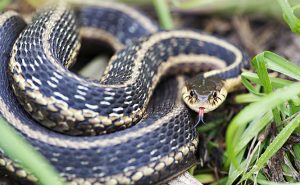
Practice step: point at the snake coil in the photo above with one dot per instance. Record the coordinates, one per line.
(163, 142)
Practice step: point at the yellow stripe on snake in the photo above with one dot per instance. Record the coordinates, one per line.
(131, 127)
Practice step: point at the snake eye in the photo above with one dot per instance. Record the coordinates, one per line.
(192, 93)
(214, 94)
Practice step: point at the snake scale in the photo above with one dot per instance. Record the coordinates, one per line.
(107, 131)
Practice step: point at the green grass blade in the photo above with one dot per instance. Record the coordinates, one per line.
(191, 3)
(272, 61)
(260, 65)
(296, 149)
(290, 109)
(163, 12)
(276, 144)
(275, 82)
(281, 65)
(265, 182)
(253, 130)
(276, 63)
(220, 181)
(251, 112)
(250, 87)
(205, 178)
(246, 98)
(296, 100)
(17, 149)
(289, 16)
(235, 174)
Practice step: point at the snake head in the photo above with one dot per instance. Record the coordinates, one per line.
(204, 94)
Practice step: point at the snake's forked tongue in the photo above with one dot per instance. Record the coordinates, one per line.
(200, 116)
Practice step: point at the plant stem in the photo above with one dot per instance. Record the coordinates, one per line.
(163, 12)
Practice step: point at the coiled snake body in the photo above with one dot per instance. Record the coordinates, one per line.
(119, 150)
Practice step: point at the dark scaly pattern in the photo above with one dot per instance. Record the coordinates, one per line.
(44, 71)
(106, 101)
(99, 162)
(9, 32)
(87, 163)
(117, 23)
(158, 54)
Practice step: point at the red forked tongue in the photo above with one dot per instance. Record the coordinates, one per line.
(200, 115)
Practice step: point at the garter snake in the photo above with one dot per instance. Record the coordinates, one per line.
(115, 133)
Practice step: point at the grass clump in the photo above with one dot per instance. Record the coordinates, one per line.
(258, 134)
